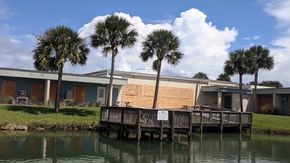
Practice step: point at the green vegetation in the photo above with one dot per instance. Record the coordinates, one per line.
(224, 77)
(55, 47)
(241, 62)
(46, 117)
(110, 35)
(271, 124)
(161, 45)
(200, 75)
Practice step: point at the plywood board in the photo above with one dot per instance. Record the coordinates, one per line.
(8, 89)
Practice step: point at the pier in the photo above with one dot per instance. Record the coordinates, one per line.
(161, 123)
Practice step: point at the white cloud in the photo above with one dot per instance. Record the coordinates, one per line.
(204, 45)
(281, 50)
(14, 54)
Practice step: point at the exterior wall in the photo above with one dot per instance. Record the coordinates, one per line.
(140, 92)
(246, 102)
(265, 100)
(210, 99)
(82, 92)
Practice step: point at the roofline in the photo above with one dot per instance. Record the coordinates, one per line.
(33, 74)
(153, 76)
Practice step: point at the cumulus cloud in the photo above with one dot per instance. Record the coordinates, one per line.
(13, 53)
(279, 9)
(204, 45)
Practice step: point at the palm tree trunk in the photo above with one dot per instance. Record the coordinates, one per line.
(58, 89)
(157, 87)
(255, 92)
(108, 103)
(241, 91)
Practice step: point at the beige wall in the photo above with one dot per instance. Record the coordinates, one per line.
(246, 102)
(140, 92)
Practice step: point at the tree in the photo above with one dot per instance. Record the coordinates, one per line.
(54, 48)
(240, 62)
(110, 35)
(264, 62)
(224, 77)
(162, 44)
(200, 75)
(271, 83)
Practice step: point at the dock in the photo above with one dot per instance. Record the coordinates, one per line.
(167, 123)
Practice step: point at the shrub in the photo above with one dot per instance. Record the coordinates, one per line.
(268, 109)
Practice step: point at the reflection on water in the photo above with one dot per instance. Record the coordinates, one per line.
(90, 147)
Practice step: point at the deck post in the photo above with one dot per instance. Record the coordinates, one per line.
(138, 134)
(201, 121)
(240, 122)
(189, 126)
(161, 130)
(172, 125)
(221, 121)
(121, 132)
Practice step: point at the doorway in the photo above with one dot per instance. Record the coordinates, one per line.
(101, 95)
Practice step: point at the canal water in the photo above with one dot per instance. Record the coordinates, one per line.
(91, 147)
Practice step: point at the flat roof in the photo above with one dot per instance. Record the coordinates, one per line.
(153, 77)
(225, 89)
(83, 78)
(273, 91)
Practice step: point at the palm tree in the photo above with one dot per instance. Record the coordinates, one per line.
(110, 35)
(200, 75)
(240, 62)
(55, 47)
(264, 62)
(162, 44)
(224, 77)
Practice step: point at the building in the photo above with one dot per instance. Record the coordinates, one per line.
(137, 89)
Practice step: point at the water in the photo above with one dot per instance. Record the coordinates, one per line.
(91, 147)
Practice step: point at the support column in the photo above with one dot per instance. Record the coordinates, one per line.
(219, 100)
(275, 105)
(111, 91)
(46, 92)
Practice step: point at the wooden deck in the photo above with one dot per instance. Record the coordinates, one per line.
(141, 122)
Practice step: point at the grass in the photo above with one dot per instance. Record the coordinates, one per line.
(271, 124)
(30, 115)
(45, 116)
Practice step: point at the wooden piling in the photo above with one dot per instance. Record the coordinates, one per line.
(172, 125)
(138, 133)
(221, 121)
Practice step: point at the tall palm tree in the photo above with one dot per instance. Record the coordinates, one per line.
(110, 35)
(240, 62)
(200, 75)
(162, 44)
(54, 48)
(264, 62)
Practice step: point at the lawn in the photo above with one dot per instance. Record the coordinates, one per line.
(274, 124)
(29, 115)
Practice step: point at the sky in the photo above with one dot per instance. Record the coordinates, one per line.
(208, 31)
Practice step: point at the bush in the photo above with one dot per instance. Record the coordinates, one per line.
(268, 109)
(8, 100)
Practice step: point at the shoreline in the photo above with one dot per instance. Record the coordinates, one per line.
(83, 127)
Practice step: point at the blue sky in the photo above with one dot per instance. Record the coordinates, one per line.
(233, 24)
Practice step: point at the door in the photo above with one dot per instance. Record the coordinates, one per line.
(8, 89)
(79, 93)
(101, 95)
(284, 105)
(227, 101)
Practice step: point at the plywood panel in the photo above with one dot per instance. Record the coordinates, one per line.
(8, 88)
(52, 91)
(36, 91)
(265, 100)
(169, 97)
(79, 93)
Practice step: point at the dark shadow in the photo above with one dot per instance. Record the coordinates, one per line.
(45, 110)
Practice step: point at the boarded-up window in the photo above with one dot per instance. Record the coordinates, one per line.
(52, 91)
(8, 89)
(37, 90)
(79, 93)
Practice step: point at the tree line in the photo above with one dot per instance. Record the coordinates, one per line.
(61, 44)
